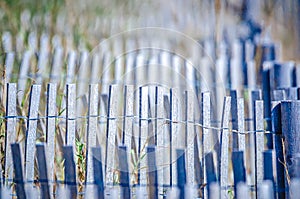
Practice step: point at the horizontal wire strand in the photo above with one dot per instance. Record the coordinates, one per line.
(167, 121)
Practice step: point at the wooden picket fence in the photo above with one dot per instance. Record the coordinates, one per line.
(100, 126)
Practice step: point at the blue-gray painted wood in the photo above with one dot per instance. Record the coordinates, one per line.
(18, 178)
(197, 163)
(239, 172)
(254, 95)
(268, 165)
(70, 170)
(297, 165)
(291, 93)
(290, 118)
(279, 95)
(181, 173)
(282, 74)
(42, 167)
(98, 175)
(234, 118)
(211, 175)
(294, 188)
(152, 173)
(267, 103)
(124, 172)
(277, 131)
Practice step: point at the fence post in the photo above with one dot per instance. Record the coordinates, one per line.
(9, 63)
(57, 61)
(71, 65)
(71, 115)
(166, 141)
(238, 121)
(255, 95)
(241, 124)
(290, 118)
(206, 137)
(174, 133)
(282, 75)
(111, 131)
(160, 135)
(10, 136)
(190, 137)
(96, 68)
(267, 102)
(279, 95)
(82, 81)
(91, 129)
(291, 93)
(143, 135)
(277, 130)
(234, 118)
(259, 140)
(50, 130)
(31, 132)
(43, 58)
(128, 113)
(224, 143)
(22, 80)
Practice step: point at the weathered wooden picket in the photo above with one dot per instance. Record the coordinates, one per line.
(103, 126)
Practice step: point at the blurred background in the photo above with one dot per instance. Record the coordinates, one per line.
(88, 22)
